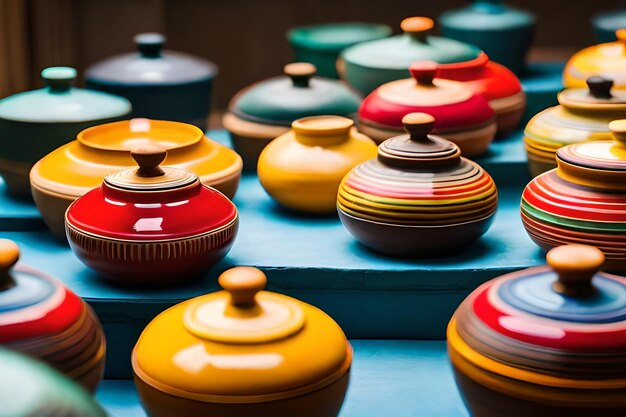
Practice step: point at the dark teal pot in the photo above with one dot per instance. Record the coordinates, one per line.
(503, 32)
(605, 25)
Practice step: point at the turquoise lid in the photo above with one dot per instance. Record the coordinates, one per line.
(281, 100)
(59, 102)
(415, 44)
(31, 388)
(607, 23)
(485, 15)
(336, 36)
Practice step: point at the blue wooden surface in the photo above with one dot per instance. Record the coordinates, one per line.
(389, 378)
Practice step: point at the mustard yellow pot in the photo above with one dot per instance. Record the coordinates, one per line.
(583, 115)
(303, 168)
(73, 169)
(242, 352)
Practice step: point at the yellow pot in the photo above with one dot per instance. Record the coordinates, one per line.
(73, 169)
(242, 351)
(303, 168)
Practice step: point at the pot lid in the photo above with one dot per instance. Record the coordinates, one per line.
(398, 52)
(598, 96)
(31, 303)
(151, 203)
(297, 94)
(31, 388)
(241, 345)
(336, 36)
(452, 103)
(606, 59)
(151, 65)
(486, 15)
(59, 102)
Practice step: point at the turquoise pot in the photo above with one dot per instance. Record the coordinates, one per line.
(503, 32)
(605, 24)
(321, 44)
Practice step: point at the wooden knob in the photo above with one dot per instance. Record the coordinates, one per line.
(575, 266)
(9, 255)
(150, 44)
(600, 87)
(300, 73)
(418, 125)
(417, 26)
(618, 131)
(59, 79)
(243, 283)
(424, 72)
(149, 158)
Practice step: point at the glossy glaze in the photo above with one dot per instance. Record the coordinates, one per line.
(242, 350)
(72, 170)
(302, 169)
(162, 225)
(42, 318)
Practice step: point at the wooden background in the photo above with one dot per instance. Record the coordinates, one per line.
(246, 38)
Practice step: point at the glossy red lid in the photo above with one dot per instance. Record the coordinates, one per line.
(151, 203)
(451, 103)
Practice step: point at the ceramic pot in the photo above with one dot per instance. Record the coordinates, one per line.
(462, 116)
(419, 197)
(31, 388)
(321, 44)
(162, 225)
(162, 85)
(36, 122)
(605, 60)
(545, 341)
(302, 169)
(605, 24)
(368, 65)
(583, 200)
(583, 115)
(265, 110)
(242, 351)
(503, 32)
(73, 169)
(43, 319)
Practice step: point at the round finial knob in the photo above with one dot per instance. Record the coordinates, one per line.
(618, 130)
(149, 158)
(59, 79)
(575, 266)
(300, 73)
(600, 87)
(9, 255)
(149, 44)
(418, 125)
(620, 34)
(417, 26)
(424, 72)
(243, 283)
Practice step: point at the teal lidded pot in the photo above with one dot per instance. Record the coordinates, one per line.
(34, 123)
(321, 44)
(161, 84)
(30, 388)
(605, 24)
(368, 65)
(504, 33)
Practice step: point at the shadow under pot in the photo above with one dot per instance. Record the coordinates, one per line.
(263, 111)
(36, 122)
(461, 115)
(545, 341)
(41, 318)
(31, 388)
(419, 197)
(76, 168)
(162, 85)
(242, 352)
(151, 225)
(583, 200)
(583, 115)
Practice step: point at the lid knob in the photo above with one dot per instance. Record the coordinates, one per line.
(417, 27)
(149, 44)
(600, 87)
(620, 34)
(149, 158)
(418, 125)
(575, 266)
(243, 283)
(300, 73)
(9, 255)
(59, 79)
(424, 72)
(618, 130)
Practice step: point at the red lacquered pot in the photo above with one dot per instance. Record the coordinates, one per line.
(151, 224)
(499, 85)
(43, 319)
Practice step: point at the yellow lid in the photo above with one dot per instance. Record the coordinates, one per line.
(241, 345)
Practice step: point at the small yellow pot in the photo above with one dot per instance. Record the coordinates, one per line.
(303, 168)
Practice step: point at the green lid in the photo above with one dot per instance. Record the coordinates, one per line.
(487, 15)
(59, 102)
(399, 52)
(31, 388)
(281, 100)
(336, 36)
